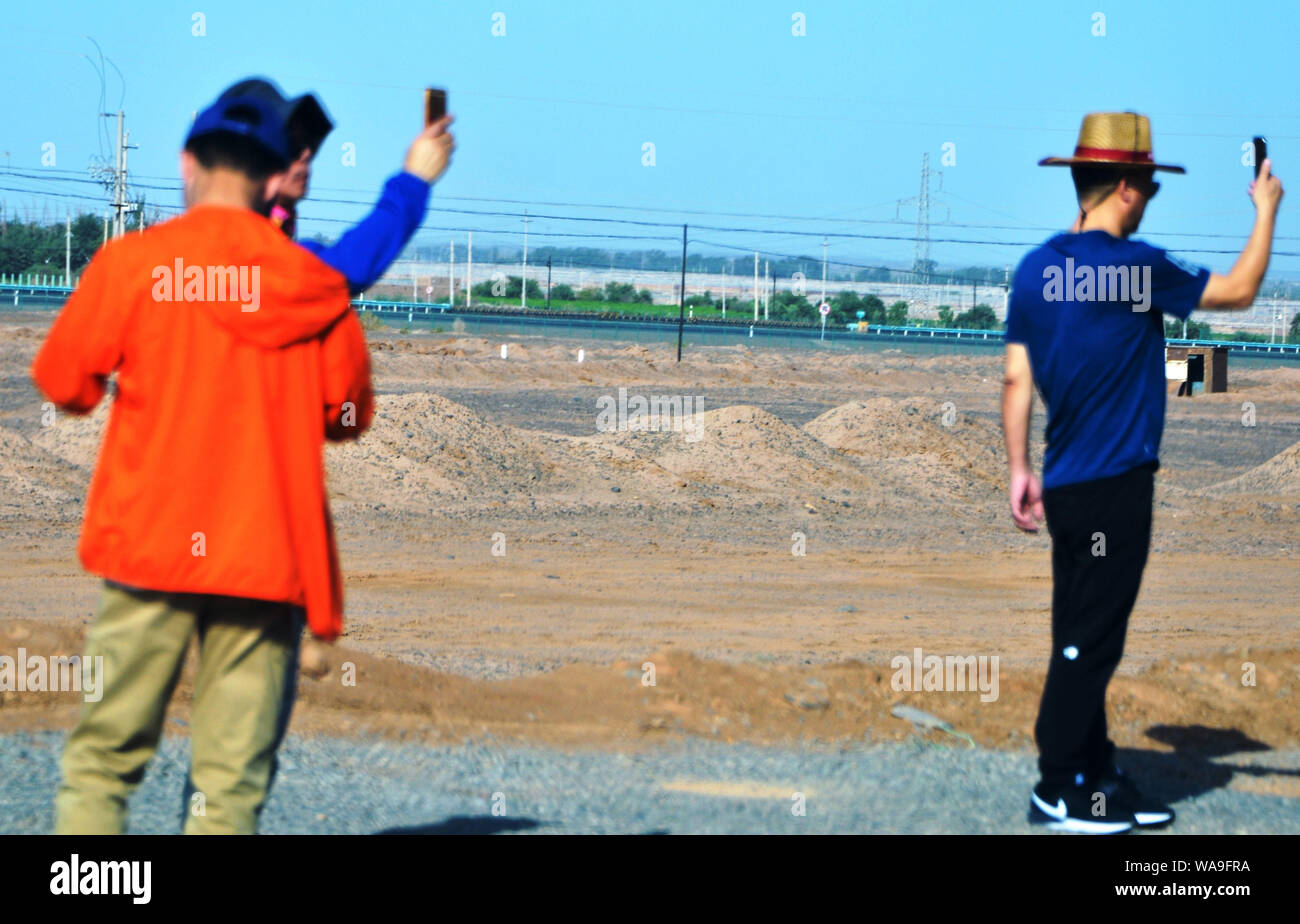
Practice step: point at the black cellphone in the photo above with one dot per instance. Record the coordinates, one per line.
(1261, 154)
(435, 105)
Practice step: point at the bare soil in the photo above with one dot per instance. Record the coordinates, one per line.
(511, 569)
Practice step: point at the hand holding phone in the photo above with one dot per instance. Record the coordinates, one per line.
(430, 153)
(1265, 193)
(1261, 153)
(435, 105)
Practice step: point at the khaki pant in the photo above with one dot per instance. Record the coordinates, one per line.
(243, 693)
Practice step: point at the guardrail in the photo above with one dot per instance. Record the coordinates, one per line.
(47, 294)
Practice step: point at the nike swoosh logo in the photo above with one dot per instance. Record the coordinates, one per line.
(1058, 811)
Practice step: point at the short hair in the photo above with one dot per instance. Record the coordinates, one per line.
(235, 152)
(1091, 181)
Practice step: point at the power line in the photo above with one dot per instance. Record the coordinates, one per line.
(631, 208)
(726, 229)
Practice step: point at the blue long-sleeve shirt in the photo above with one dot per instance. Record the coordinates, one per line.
(369, 247)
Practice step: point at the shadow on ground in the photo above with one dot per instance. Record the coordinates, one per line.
(1190, 770)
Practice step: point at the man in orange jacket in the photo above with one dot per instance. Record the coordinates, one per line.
(236, 356)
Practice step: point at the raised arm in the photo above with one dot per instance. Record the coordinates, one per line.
(1239, 287)
(365, 251)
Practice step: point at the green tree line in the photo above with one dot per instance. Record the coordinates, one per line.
(28, 247)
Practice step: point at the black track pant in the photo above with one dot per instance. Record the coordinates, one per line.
(1101, 532)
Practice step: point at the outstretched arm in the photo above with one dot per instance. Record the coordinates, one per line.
(1239, 287)
(366, 250)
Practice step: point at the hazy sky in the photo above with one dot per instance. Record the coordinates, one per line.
(753, 127)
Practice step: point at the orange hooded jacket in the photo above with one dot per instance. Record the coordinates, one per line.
(236, 356)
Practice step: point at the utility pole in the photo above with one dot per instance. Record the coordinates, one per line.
(469, 269)
(119, 179)
(923, 220)
(548, 283)
(67, 253)
(767, 297)
(120, 206)
(681, 299)
(523, 287)
(1006, 291)
(451, 275)
(824, 243)
(755, 285)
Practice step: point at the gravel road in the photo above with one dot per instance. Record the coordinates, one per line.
(359, 786)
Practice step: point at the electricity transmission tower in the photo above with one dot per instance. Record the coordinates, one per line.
(922, 267)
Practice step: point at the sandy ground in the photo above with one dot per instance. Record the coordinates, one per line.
(513, 570)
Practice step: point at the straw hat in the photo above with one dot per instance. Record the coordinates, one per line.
(1121, 139)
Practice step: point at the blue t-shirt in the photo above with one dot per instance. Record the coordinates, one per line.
(1089, 309)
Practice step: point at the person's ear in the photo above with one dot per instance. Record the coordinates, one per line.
(271, 187)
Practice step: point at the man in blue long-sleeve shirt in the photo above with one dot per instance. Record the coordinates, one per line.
(367, 249)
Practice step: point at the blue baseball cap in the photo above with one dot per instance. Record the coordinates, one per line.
(305, 119)
(249, 115)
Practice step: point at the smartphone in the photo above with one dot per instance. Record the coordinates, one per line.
(435, 105)
(1261, 154)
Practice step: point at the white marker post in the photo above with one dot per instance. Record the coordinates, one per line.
(823, 309)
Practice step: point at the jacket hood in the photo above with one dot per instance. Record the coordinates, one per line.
(253, 281)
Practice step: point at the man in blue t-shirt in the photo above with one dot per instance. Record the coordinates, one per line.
(1085, 322)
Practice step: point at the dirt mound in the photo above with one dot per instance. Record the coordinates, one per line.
(745, 447)
(935, 448)
(1282, 383)
(1279, 475)
(34, 482)
(423, 444)
(76, 438)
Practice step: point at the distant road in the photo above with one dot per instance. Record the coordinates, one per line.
(489, 322)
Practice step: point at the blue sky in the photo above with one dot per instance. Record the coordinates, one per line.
(824, 131)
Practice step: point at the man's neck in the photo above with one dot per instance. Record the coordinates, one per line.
(1103, 219)
(224, 187)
